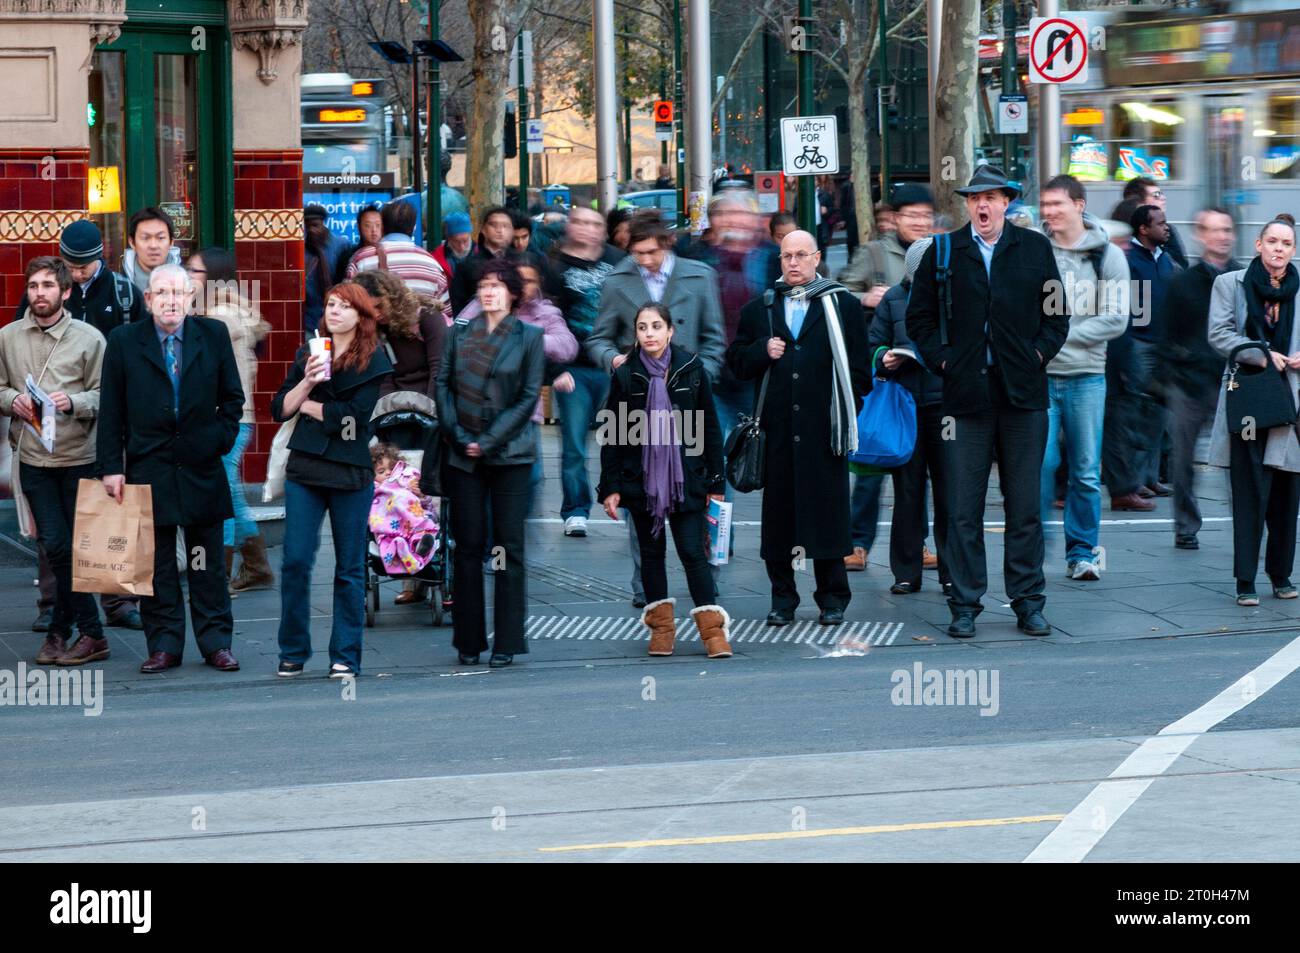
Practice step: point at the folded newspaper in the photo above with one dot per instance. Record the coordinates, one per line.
(44, 414)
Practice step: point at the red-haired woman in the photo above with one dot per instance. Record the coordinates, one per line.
(329, 470)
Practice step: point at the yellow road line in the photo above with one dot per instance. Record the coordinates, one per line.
(799, 835)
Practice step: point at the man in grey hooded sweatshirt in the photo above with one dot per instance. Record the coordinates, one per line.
(1095, 287)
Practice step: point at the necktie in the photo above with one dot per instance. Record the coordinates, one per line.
(173, 369)
(798, 309)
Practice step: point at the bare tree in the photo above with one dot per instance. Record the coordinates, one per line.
(953, 124)
(494, 25)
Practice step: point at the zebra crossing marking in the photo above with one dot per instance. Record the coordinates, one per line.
(751, 631)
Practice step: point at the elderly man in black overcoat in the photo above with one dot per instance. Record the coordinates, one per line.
(811, 335)
(169, 408)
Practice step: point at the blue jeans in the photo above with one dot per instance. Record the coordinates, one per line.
(731, 399)
(304, 509)
(577, 413)
(864, 509)
(1076, 411)
(236, 530)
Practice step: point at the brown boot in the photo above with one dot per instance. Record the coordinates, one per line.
(713, 623)
(52, 650)
(856, 561)
(254, 570)
(658, 616)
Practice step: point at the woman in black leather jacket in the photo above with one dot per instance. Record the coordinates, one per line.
(488, 385)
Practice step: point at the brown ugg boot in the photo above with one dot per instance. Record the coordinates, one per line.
(254, 570)
(658, 617)
(713, 623)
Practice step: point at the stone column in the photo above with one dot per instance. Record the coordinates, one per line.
(266, 36)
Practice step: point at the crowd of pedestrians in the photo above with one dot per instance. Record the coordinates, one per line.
(1074, 354)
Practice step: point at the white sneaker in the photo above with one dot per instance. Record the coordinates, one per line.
(575, 526)
(1086, 571)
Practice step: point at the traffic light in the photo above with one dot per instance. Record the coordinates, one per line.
(511, 138)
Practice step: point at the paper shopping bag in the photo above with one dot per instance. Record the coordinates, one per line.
(112, 543)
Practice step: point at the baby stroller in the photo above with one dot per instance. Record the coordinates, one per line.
(405, 419)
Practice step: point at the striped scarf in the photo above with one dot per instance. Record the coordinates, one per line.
(844, 404)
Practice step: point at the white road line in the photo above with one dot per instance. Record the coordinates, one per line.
(1085, 826)
(898, 630)
(1108, 522)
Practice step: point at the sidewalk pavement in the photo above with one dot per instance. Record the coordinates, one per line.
(580, 608)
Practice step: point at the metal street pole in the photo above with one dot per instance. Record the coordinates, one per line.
(525, 158)
(1049, 114)
(627, 111)
(807, 183)
(433, 211)
(699, 89)
(883, 108)
(663, 94)
(1010, 80)
(606, 107)
(417, 172)
(934, 24)
(679, 113)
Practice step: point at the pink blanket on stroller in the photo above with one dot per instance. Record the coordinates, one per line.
(400, 517)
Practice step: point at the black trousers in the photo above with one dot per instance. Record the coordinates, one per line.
(52, 495)
(1019, 438)
(832, 590)
(1261, 496)
(908, 527)
(163, 613)
(690, 540)
(506, 489)
(1189, 413)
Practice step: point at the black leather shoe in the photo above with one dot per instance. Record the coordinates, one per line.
(962, 626)
(1186, 542)
(500, 660)
(904, 588)
(1033, 623)
(830, 617)
(467, 659)
(780, 617)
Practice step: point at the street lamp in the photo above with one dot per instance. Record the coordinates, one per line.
(436, 51)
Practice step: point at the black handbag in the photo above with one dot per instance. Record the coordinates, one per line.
(1258, 398)
(432, 466)
(746, 446)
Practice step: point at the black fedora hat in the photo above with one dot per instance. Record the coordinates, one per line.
(988, 178)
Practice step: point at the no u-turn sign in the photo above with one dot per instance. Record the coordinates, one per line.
(1058, 50)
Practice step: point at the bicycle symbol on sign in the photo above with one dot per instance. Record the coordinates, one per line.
(811, 155)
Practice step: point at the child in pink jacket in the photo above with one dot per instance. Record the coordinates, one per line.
(402, 520)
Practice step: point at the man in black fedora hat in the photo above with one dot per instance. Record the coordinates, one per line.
(988, 327)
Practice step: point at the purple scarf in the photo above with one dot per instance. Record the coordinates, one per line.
(661, 455)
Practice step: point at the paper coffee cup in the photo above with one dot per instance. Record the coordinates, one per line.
(320, 345)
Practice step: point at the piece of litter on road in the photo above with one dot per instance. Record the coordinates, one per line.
(457, 674)
(922, 638)
(384, 675)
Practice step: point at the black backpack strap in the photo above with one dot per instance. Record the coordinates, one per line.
(943, 276)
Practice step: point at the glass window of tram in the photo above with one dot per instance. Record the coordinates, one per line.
(1148, 135)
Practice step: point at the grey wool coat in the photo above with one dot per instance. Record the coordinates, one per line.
(691, 296)
(1227, 323)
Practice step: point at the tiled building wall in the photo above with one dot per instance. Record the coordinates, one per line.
(269, 251)
(41, 191)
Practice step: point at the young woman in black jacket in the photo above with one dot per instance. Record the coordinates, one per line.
(329, 471)
(661, 459)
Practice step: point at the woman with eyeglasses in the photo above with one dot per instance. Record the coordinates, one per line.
(213, 273)
(1258, 304)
